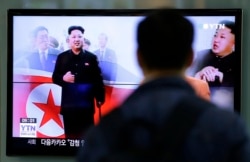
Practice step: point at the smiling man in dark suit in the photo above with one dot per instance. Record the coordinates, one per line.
(79, 75)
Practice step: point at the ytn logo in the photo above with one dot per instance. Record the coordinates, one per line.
(28, 128)
(212, 26)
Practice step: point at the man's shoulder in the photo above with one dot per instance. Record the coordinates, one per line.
(217, 122)
(211, 116)
(161, 102)
(90, 54)
(209, 119)
(64, 53)
(54, 51)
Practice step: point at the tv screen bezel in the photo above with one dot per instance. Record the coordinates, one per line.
(16, 147)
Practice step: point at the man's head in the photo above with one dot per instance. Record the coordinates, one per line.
(224, 39)
(75, 39)
(53, 42)
(41, 38)
(87, 44)
(165, 41)
(103, 39)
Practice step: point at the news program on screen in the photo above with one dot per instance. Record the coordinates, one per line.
(36, 99)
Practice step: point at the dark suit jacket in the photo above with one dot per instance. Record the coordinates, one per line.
(35, 63)
(88, 80)
(108, 64)
(218, 135)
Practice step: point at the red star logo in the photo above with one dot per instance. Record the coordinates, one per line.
(51, 111)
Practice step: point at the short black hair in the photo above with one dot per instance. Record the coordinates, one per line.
(229, 24)
(75, 28)
(37, 29)
(173, 36)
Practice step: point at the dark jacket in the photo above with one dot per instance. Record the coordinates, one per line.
(35, 63)
(218, 135)
(226, 65)
(88, 80)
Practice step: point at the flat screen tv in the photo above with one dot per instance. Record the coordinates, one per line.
(34, 124)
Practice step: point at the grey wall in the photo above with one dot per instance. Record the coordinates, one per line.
(6, 4)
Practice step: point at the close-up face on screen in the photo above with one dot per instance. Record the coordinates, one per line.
(36, 100)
